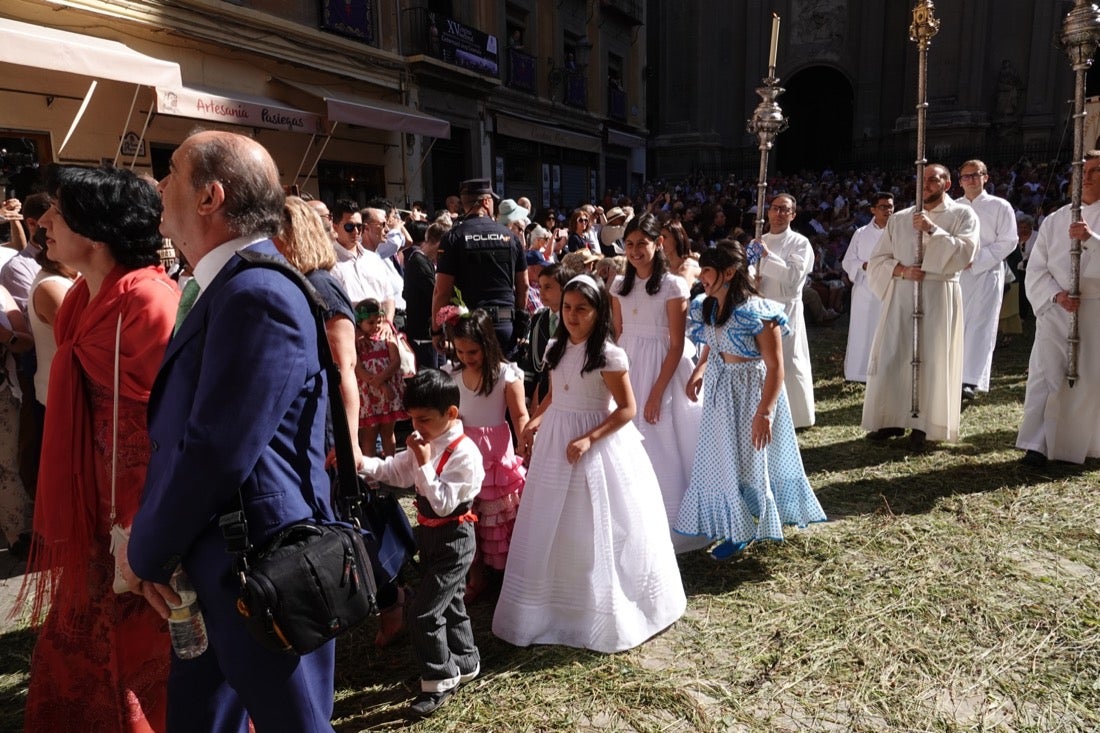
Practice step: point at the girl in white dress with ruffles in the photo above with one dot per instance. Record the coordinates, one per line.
(591, 563)
(649, 312)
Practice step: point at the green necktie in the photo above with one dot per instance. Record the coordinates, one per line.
(187, 300)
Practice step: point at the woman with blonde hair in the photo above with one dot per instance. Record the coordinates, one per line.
(308, 247)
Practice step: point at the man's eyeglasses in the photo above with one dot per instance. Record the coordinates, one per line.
(970, 176)
(781, 209)
(353, 227)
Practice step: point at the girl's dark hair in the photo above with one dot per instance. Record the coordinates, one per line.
(431, 389)
(648, 225)
(594, 292)
(366, 308)
(726, 254)
(113, 206)
(679, 238)
(477, 326)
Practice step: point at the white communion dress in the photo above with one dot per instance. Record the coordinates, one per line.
(591, 564)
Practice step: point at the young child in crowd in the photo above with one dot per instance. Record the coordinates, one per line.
(489, 385)
(649, 312)
(444, 467)
(380, 384)
(544, 323)
(591, 564)
(747, 479)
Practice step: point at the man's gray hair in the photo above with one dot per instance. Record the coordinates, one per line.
(253, 197)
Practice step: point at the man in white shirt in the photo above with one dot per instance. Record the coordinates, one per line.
(359, 270)
(784, 266)
(983, 281)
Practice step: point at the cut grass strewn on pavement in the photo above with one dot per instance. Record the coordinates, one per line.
(950, 591)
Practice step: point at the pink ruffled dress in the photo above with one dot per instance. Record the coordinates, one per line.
(483, 417)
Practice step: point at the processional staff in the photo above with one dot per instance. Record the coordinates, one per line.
(1080, 36)
(925, 25)
(767, 122)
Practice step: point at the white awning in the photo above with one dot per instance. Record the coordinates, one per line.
(524, 129)
(38, 47)
(355, 110)
(236, 109)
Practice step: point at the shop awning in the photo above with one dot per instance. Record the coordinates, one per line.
(523, 129)
(38, 47)
(236, 109)
(355, 110)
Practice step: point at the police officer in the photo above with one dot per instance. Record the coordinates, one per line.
(486, 262)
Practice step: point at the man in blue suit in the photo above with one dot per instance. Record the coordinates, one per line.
(238, 409)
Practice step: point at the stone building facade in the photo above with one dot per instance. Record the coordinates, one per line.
(998, 86)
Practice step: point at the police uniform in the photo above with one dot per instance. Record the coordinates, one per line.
(484, 258)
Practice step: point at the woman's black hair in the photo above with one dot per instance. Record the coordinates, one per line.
(594, 292)
(648, 225)
(431, 389)
(477, 326)
(417, 230)
(726, 254)
(112, 206)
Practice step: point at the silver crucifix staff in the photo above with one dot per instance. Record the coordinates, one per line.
(925, 25)
(1080, 35)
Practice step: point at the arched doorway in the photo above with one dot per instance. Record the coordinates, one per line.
(819, 105)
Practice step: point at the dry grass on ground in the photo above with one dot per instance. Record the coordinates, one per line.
(951, 591)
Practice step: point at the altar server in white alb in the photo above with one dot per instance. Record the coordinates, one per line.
(1061, 422)
(983, 281)
(784, 266)
(950, 233)
(865, 304)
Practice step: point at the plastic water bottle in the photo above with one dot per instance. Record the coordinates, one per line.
(185, 623)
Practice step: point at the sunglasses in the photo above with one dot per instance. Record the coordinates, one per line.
(350, 227)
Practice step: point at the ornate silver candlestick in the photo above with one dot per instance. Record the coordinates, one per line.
(767, 121)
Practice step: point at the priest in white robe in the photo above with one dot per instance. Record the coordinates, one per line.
(784, 266)
(983, 282)
(1061, 422)
(863, 315)
(950, 233)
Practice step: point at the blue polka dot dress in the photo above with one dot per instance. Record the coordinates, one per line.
(736, 492)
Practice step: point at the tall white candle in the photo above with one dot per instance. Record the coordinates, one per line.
(775, 42)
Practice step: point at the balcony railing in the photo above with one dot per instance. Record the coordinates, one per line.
(433, 34)
(522, 71)
(616, 103)
(576, 89)
(630, 10)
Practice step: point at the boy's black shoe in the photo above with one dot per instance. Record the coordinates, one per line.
(968, 392)
(1033, 459)
(427, 703)
(917, 441)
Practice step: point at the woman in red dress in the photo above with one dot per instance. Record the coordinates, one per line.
(101, 661)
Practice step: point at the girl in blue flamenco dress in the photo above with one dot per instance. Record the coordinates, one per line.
(747, 479)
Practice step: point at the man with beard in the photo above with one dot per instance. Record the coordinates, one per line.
(950, 234)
